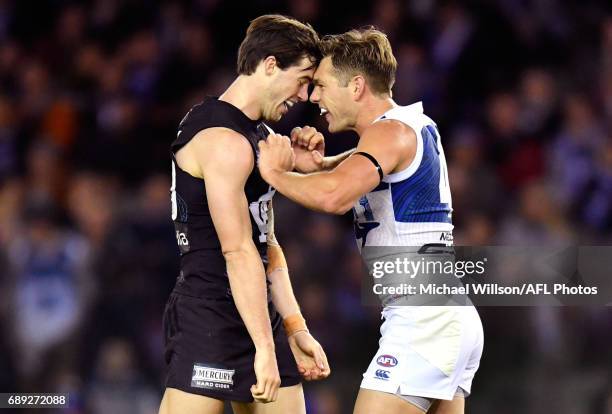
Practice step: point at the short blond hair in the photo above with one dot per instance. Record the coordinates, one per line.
(366, 51)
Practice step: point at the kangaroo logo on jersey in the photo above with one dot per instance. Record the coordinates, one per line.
(386, 361)
(367, 209)
(363, 228)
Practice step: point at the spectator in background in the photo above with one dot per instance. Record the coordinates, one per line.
(538, 113)
(117, 385)
(90, 97)
(8, 138)
(572, 154)
(538, 221)
(598, 208)
(51, 288)
(474, 184)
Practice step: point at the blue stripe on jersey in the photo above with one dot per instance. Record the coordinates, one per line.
(417, 198)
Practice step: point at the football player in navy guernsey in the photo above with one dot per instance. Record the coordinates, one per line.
(397, 183)
(233, 329)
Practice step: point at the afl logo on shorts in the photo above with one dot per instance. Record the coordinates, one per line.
(386, 361)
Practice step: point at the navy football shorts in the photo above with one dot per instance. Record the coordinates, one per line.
(209, 352)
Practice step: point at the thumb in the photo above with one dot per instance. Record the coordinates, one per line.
(319, 360)
(257, 388)
(317, 157)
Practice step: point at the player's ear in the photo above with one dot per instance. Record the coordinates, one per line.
(270, 65)
(357, 86)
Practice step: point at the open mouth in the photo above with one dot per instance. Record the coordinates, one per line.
(288, 104)
(325, 113)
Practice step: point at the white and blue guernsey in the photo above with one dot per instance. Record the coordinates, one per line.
(412, 207)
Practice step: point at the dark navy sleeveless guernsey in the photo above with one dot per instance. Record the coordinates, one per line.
(203, 271)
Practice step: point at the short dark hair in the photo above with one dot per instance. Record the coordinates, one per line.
(366, 51)
(287, 39)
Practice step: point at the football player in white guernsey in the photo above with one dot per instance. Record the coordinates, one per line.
(396, 181)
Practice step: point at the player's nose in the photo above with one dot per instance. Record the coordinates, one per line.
(314, 96)
(303, 93)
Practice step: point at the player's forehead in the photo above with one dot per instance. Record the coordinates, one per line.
(324, 71)
(304, 68)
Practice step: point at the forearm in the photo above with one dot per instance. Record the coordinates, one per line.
(314, 191)
(248, 284)
(329, 163)
(280, 284)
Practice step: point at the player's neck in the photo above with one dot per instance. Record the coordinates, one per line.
(371, 110)
(240, 94)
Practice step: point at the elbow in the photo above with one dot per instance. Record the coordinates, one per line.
(234, 253)
(335, 199)
(333, 204)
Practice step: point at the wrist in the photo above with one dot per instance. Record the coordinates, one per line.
(271, 240)
(265, 346)
(271, 175)
(327, 163)
(294, 323)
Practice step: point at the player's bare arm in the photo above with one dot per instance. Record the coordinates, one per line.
(309, 355)
(224, 159)
(390, 143)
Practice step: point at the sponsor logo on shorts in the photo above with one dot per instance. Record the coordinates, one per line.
(382, 374)
(212, 378)
(386, 361)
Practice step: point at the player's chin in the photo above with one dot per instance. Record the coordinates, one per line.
(276, 116)
(272, 117)
(282, 110)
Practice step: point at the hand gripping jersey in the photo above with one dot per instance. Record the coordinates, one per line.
(411, 207)
(203, 270)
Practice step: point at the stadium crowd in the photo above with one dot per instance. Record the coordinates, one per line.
(91, 94)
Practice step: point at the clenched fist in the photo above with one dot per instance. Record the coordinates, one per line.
(275, 154)
(309, 148)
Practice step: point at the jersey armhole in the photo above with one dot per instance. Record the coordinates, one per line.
(416, 161)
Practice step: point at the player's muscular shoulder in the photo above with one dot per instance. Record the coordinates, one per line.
(391, 142)
(216, 148)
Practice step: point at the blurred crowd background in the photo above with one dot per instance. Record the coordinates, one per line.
(91, 93)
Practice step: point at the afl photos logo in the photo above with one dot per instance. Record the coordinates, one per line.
(387, 361)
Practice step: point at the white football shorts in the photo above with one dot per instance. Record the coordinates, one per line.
(426, 351)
